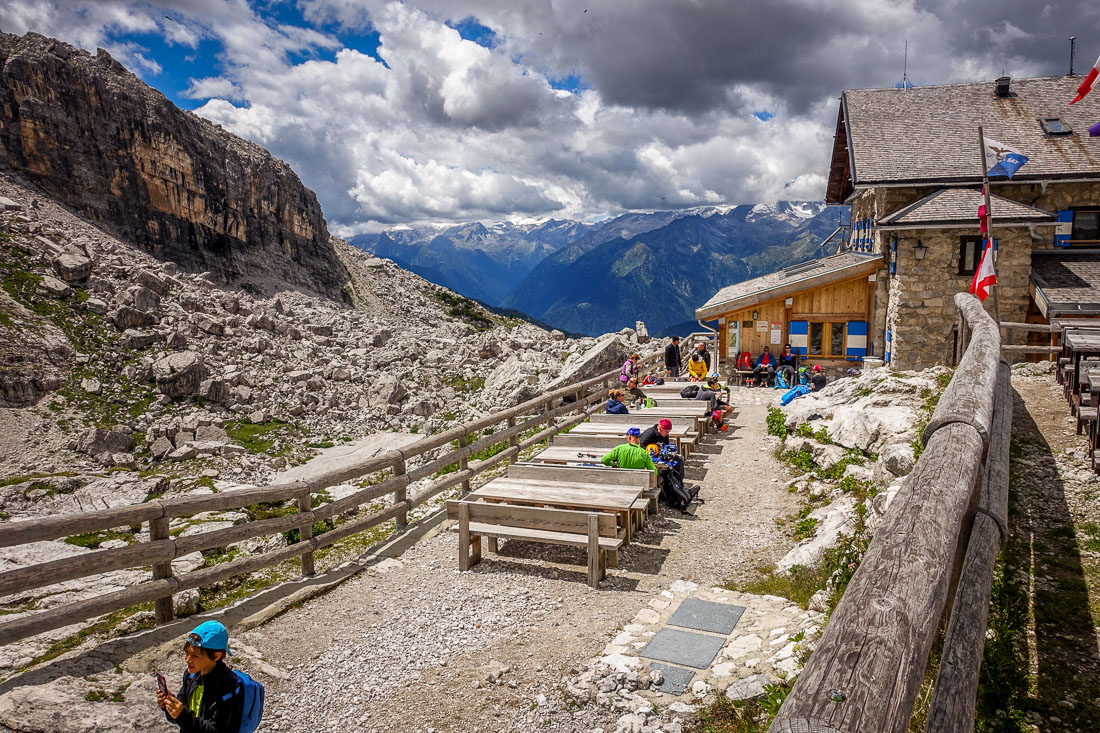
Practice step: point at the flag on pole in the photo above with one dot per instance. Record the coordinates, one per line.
(1001, 160)
(1094, 131)
(1086, 85)
(983, 215)
(985, 275)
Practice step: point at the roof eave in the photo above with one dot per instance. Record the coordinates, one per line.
(781, 291)
(963, 224)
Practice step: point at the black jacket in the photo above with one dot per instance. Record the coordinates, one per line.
(790, 360)
(672, 356)
(651, 436)
(220, 709)
(706, 358)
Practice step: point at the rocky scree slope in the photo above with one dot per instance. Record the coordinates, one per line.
(96, 138)
(125, 378)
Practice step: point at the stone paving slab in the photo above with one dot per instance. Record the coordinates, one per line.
(683, 647)
(700, 615)
(676, 680)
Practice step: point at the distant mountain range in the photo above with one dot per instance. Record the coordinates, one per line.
(594, 278)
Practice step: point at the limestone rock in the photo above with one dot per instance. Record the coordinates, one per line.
(387, 389)
(91, 385)
(61, 706)
(72, 267)
(179, 374)
(749, 688)
(95, 441)
(160, 448)
(126, 317)
(136, 338)
(277, 230)
(214, 390)
(55, 287)
(831, 521)
(641, 332)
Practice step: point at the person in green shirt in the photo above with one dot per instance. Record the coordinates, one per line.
(630, 454)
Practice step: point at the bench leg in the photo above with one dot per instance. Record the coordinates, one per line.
(594, 551)
(492, 541)
(469, 548)
(613, 558)
(603, 564)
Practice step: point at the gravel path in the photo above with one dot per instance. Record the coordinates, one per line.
(408, 645)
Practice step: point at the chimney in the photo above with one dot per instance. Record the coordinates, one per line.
(1002, 86)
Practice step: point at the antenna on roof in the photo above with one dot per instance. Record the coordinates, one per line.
(905, 83)
(1072, 43)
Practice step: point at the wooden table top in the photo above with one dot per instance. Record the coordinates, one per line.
(557, 493)
(619, 429)
(1083, 340)
(570, 454)
(1093, 377)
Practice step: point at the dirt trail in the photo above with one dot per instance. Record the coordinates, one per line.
(406, 645)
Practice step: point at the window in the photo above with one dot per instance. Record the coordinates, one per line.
(1086, 225)
(827, 339)
(1055, 126)
(970, 252)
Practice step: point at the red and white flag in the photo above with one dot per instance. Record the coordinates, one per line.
(986, 275)
(1086, 85)
(983, 215)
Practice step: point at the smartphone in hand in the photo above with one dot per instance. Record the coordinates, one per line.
(162, 684)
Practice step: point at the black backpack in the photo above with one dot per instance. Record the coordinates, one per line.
(690, 392)
(673, 492)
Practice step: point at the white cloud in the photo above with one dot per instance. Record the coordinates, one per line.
(445, 129)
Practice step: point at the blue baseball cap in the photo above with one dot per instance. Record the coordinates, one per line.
(210, 635)
(634, 432)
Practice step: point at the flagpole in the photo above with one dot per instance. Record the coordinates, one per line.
(988, 220)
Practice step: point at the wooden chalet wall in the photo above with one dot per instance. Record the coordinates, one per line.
(838, 303)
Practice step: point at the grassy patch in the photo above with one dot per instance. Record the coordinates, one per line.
(92, 540)
(462, 384)
(742, 716)
(259, 437)
(12, 480)
(118, 695)
(104, 628)
(463, 309)
(797, 585)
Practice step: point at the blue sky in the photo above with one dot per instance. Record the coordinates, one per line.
(405, 111)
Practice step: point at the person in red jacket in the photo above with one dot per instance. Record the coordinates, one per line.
(765, 368)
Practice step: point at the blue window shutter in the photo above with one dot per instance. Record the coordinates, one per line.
(855, 346)
(799, 334)
(889, 343)
(1063, 230)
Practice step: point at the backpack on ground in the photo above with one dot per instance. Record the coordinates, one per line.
(673, 492)
(690, 392)
(252, 701)
(781, 380)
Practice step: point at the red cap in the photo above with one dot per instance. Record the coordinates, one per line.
(817, 367)
(665, 424)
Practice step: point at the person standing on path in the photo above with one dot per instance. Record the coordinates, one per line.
(630, 454)
(701, 350)
(672, 358)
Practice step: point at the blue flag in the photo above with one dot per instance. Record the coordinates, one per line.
(1001, 160)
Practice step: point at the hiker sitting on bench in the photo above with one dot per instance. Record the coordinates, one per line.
(657, 436)
(788, 363)
(615, 404)
(765, 368)
(721, 395)
(635, 392)
(697, 368)
(630, 454)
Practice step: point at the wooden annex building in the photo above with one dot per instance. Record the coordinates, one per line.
(820, 307)
(907, 162)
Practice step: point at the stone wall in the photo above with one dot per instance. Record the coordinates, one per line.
(921, 314)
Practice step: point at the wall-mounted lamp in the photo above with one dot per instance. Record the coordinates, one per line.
(756, 315)
(920, 251)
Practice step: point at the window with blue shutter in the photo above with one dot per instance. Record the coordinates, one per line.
(798, 333)
(1063, 230)
(856, 345)
(889, 340)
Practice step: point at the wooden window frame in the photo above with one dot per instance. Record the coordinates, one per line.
(963, 241)
(1073, 240)
(826, 340)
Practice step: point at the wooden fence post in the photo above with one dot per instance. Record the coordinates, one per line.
(164, 610)
(463, 464)
(401, 495)
(305, 532)
(513, 441)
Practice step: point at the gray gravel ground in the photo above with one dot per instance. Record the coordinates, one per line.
(410, 648)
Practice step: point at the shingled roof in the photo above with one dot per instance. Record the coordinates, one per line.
(929, 135)
(1066, 283)
(950, 208)
(790, 280)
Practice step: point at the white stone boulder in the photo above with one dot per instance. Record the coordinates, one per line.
(179, 374)
(832, 520)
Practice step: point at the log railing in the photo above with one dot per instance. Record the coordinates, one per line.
(161, 548)
(934, 550)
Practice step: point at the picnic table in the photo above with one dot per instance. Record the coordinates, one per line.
(617, 500)
(1076, 345)
(1088, 415)
(682, 433)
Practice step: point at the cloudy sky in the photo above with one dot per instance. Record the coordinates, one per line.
(454, 110)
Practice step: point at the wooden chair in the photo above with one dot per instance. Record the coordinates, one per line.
(595, 531)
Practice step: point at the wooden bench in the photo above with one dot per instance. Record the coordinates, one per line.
(594, 531)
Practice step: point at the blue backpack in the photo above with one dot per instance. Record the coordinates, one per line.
(252, 701)
(796, 391)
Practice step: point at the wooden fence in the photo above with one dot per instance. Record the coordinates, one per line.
(162, 548)
(933, 551)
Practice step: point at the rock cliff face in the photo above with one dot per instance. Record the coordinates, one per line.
(96, 138)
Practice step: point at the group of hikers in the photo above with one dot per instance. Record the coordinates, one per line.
(651, 449)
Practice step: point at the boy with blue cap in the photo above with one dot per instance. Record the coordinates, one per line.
(208, 700)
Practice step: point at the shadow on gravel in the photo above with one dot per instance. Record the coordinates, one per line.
(569, 573)
(256, 609)
(1041, 554)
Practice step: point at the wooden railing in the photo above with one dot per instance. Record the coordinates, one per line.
(934, 550)
(162, 548)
